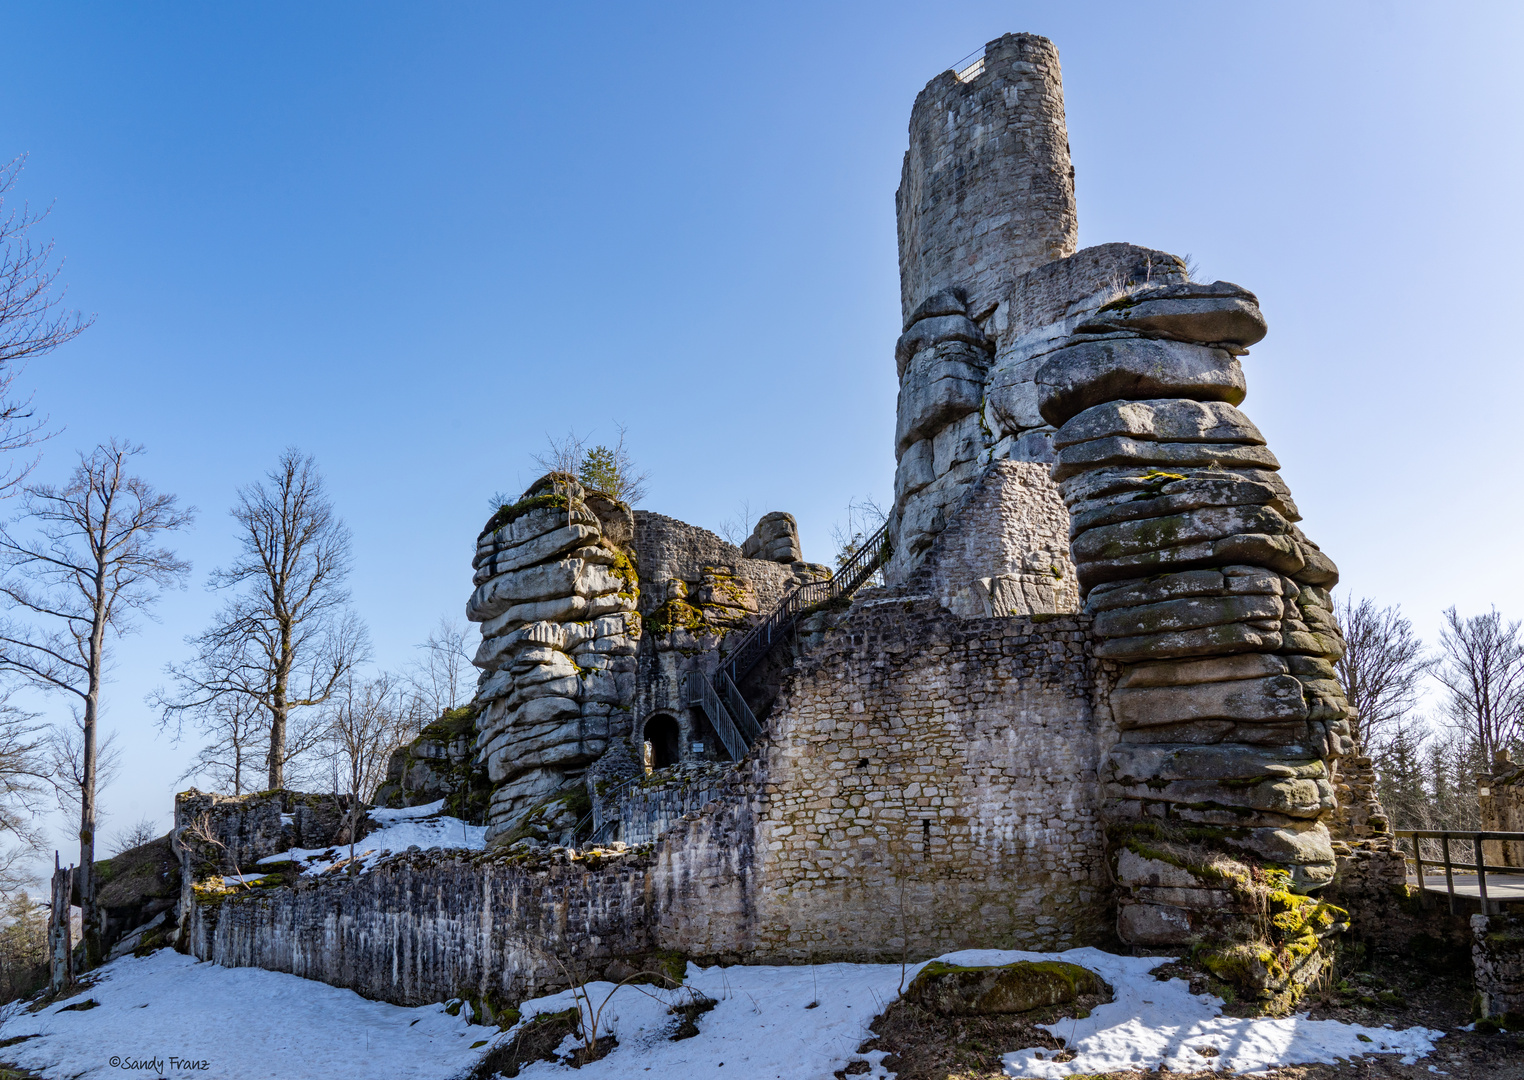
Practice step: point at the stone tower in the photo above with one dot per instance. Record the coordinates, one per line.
(986, 192)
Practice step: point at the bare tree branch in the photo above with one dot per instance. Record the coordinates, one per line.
(287, 639)
(1382, 668)
(32, 319)
(1483, 672)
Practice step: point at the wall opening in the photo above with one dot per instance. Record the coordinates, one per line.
(662, 742)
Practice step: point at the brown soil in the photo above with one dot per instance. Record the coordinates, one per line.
(926, 1046)
(537, 1041)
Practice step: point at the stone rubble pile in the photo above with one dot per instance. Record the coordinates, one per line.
(556, 597)
(1211, 601)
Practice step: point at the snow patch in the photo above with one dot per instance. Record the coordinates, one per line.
(768, 1023)
(247, 1024)
(427, 827)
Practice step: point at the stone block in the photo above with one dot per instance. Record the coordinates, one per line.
(1120, 450)
(1215, 669)
(1277, 698)
(1187, 613)
(1177, 497)
(940, 386)
(1219, 313)
(1154, 924)
(1135, 369)
(1165, 420)
(1158, 535)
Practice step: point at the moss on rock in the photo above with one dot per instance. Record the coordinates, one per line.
(955, 990)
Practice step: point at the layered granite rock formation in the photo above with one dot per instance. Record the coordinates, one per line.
(776, 539)
(1210, 600)
(555, 595)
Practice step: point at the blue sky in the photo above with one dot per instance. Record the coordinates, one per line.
(412, 239)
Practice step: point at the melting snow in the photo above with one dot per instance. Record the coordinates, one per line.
(248, 1023)
(426, 827)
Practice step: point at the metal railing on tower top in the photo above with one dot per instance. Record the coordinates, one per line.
(720, 696)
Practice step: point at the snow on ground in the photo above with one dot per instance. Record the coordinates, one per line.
(763, 1027)
(163, 1014)
(424, 826)
(1151, 1022)
(247, 1024)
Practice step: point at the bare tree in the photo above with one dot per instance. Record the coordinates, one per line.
(32, 321)
(88, 562)
(563, 455)
(864, 517)
(64, 756)
(236, 758)
(144, 831)
(439, 678)
(366, 722)
(24, 774)
(288, 639)
(736, 528)
(1483, 672)
(1382, 668)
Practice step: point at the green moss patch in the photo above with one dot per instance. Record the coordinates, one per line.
(954, 990)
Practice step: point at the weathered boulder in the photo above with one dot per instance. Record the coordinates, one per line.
(955, 990)
(941, 384)
(1080, 376)
(930, 332)
(1168, 420)
(1121, 450)
(775, 538)
(1202, 586)
(1219, 313)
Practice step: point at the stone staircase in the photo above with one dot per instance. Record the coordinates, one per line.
(719, 695)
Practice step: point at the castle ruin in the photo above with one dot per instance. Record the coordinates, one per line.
(1078, 690)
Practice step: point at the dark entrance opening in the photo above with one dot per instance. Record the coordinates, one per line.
(662, 739)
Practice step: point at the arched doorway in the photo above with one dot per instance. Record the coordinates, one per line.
(663, 746)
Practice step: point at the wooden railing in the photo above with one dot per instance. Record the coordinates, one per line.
(1475, 863)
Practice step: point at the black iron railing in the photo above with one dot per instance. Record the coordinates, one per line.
(1474, 863)
(720, 696)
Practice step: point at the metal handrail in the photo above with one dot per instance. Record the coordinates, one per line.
(720, 696)
(701, 691)
(1444, 836)
(779, 623)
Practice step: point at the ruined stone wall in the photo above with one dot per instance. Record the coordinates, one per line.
(650, 806)
(697, 589)
(1006, 551)
(1501, 798)
(430, 926)
(932, 778)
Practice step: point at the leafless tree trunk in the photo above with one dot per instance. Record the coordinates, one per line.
(60, 929)
(86, 565)
(1483, 671)
(32, 321)
(288, 639)
(1382, 667)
